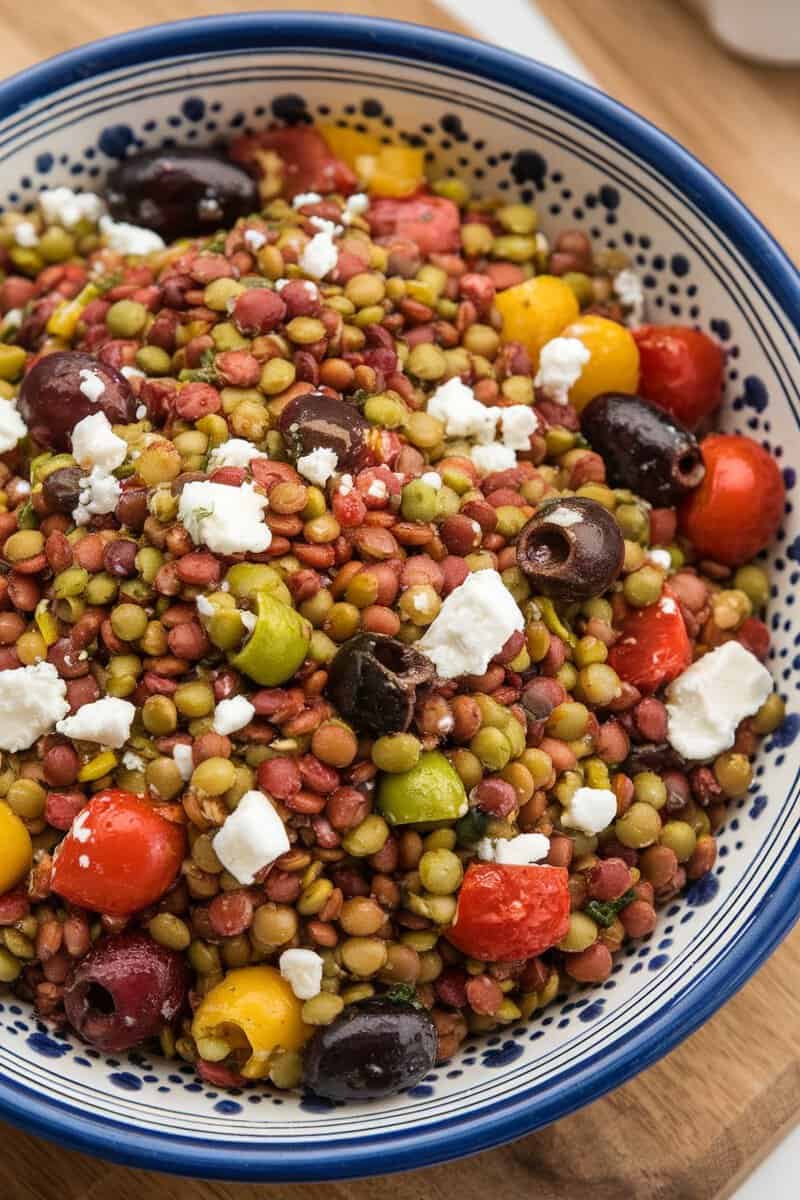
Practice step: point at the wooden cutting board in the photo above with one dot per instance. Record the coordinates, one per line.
(694, 1125)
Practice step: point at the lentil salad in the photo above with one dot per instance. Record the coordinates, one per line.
(380, 640)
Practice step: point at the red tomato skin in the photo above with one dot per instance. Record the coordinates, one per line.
(309, 165)
(654, 647)
(509, 912)
(736, 510)
(134, 855)
(433, 222)
(681, 370)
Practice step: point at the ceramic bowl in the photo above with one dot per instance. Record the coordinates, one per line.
(512, 127)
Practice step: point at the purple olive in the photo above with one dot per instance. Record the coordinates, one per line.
(373, 683)
(181, 192)
(59, 391)
(572, 549)
(317, 420)
(644, 449)
(375, 1048)
(125, 991)
(61, 489)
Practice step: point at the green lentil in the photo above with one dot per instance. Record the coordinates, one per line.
(639, 827)
(396, 752)
(680, 838)
(126, 318)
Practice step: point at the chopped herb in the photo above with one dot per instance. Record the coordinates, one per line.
(26, 517)
(200, 514)
(472, 827)
(106, 282)
(604, 912)
(403, 993)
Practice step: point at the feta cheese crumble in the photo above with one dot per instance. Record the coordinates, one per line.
(474, 623)
(129, 239)
(94, 444)
(254, 239)
(252, 837)
(107, 721)
(629, 291)
(354, 206)
(182, 757)
(520, 851)
(561, 363)
(454, 404)
(433, 479)
(32, 699)
(304, 198)
(99, 494)
(236, 452)
(12, 426)
(91, 385)
(226, 519)
(706, 703)
(345, 485)
(590, 809)
(563, 516)
(517, 423)
(302, 970)
(319, 256)
(62, 206)
(232, 715)
(25, 234)
(132, 761)
(660, 558)
(493, 457)
(318, 466)
(134, 373)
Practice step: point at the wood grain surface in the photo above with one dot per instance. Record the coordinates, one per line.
(690, 1127)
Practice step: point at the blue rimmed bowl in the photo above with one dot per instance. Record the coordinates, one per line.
(512, 127)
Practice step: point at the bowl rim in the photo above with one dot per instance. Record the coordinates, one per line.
(513, 1117)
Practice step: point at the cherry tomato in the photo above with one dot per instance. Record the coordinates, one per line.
(432, 222)
(680, 370)
(119, 856)
(737, 508)
(654, 647)
(308, 165)
(509, 912)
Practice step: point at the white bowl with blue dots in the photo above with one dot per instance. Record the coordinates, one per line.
(508, 126)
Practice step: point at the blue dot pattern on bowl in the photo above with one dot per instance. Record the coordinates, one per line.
(569, 187)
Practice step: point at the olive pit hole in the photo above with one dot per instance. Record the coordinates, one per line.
(549, 548)
(100, 1001)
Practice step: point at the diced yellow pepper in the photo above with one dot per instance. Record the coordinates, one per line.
(254, 1009)
(46, 623)
(16, 852)
(393, 171)
(98, 766)
(64, 320)
(536, 311)
(349, 144)
(614, 362)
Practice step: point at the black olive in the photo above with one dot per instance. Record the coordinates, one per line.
(317, 420)
(643, 448)
(181, 192)
(61, 490)
(373, 682)
(571, 549)
(375, 1048)
(52, 398)
(653, 756)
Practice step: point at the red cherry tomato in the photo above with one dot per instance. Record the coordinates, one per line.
(432, 222)
(654, 647)
(737, 509)
(680, 370)
(508, 912)
(119, 856)
(309, 165)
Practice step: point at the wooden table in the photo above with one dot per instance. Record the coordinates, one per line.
(691, 1126)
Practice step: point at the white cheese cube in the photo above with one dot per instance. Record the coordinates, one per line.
(107, 721)
(590, 809)
(232, 715)
(236, 452)
(302, 969)
(228, 520)
(252, 837)
(182, 755)
(561, 363)
(32, 699)
(493, 457)
(318, 466)
(62, 206)
(522, 850)
(706, 703)
(12, 426)
(129, 239)
(474, 623)
(94, 444)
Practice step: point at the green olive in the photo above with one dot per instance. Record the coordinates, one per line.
(278, 644)
(430, 791)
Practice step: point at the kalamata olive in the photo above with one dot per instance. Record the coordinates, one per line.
(63, 388)
(571, 549)
(180, 192)
(653, 756)
(124, 991)
(373, 682)
(375, 1048)
(61, 489)
(644, 449)
(318, 420)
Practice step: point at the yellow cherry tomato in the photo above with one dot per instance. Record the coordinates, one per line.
(614, 362)
(16, 852)
(349, 144)
(385, 170)
(255, 1009)
(535, 311)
